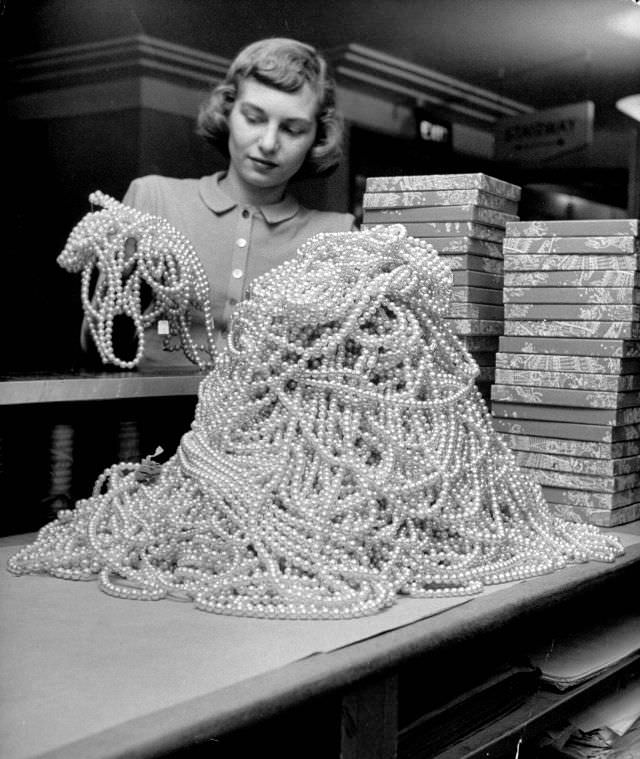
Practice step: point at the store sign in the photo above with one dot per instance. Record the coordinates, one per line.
(544, 134)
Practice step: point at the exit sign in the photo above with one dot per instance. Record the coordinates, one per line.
(430, 130)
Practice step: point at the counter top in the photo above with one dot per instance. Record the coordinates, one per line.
(105, 678)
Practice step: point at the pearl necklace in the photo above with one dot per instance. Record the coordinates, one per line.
(126, 248)
(340, 457)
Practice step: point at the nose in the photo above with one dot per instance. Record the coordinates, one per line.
(269, 139)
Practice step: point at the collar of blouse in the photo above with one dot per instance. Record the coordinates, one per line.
(219, 202)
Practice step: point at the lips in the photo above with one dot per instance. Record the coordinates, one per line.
(263, 162)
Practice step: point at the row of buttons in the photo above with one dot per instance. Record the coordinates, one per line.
(241, 242)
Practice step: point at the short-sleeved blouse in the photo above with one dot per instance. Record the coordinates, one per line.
(236, 243)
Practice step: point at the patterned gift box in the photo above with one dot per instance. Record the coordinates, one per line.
(597, 516)
(579, 465)
(590, 498)
(474, 181)
(488, 216)
(574, 228)
(468, 278)
(593, 245)
(572, 295)
(606, 312)
(570, 346)
(613, 383)
(454, 229)
(450, 229)
(476, 295)
(429, 198)
(552, 262)
(581, 448)
(465, 245)
(475, 311)
(572, 278)
(597, 433)
(589, 482)
(554, 396)
(598, 416)
(471, 262)
(567, 364)
(475, 326)
(577, 329)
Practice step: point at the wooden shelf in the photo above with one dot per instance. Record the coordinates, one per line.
(542, 710)
(98, 386)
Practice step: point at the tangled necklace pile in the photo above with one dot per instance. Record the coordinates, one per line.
(126, 248)
(340, 456)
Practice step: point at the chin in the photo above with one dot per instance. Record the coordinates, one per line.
(263, 180)
(265, 183)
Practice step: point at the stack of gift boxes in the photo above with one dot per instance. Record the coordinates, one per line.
(567, 386)
(463, 216)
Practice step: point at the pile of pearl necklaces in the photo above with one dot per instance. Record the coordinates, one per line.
(340, 457)
(127, 247)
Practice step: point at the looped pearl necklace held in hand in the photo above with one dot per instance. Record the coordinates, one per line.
(340, 457)
(127, 248)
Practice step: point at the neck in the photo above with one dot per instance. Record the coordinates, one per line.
(249, 195)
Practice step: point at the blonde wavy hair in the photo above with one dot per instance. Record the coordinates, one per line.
(286, 65)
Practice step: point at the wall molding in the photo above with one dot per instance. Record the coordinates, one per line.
(128, 93)
(113, 75)
(146, 72)
(116, 57)
(385, 73)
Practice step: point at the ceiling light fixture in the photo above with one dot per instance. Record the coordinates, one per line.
(630, 106)
(626, 23)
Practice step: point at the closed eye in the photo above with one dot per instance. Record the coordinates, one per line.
(293, 127)
(253, 115)
(295, 130)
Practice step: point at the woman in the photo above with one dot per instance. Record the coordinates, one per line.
(274, 116)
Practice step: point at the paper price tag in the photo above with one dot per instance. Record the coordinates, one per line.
(163, 327)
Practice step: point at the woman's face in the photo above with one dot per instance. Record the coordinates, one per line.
(270, 133)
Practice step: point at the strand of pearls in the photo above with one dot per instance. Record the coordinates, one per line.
(121, 248)
(340, 457)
